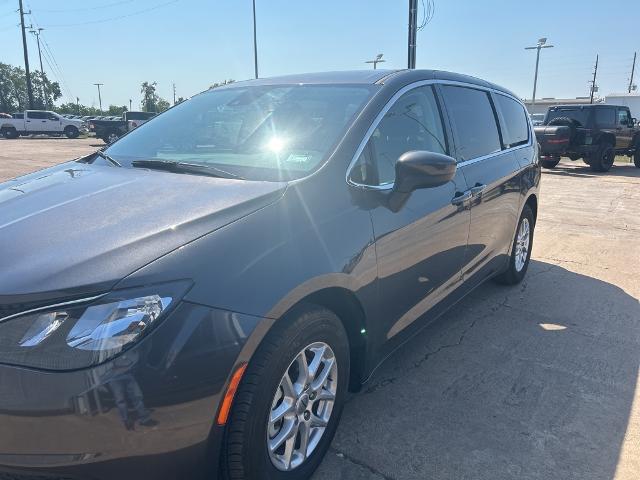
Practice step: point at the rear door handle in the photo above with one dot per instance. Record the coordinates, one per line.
(460, 198)
(477, 190)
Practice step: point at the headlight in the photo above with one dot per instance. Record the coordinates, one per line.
(81, 335)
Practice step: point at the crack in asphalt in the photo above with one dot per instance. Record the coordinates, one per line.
(417, 364)
(355, 461)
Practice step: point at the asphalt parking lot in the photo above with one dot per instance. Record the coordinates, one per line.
(538, 381)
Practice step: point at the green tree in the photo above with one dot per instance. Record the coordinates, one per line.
(13, 89)
(116, 110)
(77, 109)
(151, 101)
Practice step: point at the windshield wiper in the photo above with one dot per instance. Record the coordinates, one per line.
(108, 158)
(186, 167)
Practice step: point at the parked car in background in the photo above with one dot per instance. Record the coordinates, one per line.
(212, 285)
(42, 122)
(110, 130)
(537, 118)
(594, 133)
(5, 115)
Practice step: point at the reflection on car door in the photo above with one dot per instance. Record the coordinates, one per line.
(491, 171)
(420, 245)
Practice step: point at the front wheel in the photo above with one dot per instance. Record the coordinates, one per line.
(71, 132)
(289, 402)
(521, 250)
(10, 133)
(636, 157)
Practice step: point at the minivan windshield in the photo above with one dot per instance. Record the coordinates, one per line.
(272, 132)
(577, 114)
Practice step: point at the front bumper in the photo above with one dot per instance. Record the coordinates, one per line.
(148, 413)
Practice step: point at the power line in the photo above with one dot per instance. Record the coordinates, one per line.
(428, 11)
(84, 9)
(105, 20)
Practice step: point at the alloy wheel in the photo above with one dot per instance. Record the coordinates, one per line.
(302, 406)
(522, 244)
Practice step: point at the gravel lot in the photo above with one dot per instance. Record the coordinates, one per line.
(538, 381)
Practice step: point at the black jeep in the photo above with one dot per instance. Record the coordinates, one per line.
(595, 133)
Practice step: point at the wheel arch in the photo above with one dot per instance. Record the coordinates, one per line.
(349, 310)
(532, 201)
(607, 137)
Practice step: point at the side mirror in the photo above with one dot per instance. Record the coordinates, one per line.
(634, 121)
(422, 169)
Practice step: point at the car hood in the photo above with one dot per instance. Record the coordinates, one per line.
(78, 228)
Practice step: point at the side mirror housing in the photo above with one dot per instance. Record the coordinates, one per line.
(421, 169)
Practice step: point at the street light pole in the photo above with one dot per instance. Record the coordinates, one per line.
(255, 41)
(413, 33)
(99, 95)
(376, 60)
(541, 44)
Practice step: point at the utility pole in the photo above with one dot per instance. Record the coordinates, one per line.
(541, 44)
(594, 88)
(174, 93)
(413, 32)
(376, 60)
(36, 33)
(130, 105)
(78, 105)
(99, 94)
(26, 56)
(255, 41)
(633, 70)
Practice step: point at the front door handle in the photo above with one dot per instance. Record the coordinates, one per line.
(460, 198)
(477, 190)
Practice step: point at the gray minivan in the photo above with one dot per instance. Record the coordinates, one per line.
(200, 296)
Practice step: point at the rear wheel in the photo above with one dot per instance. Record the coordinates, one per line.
(521, 250)
(71, 132)
(601, 160)
(289, 402)
(636, 157)
(549, 162)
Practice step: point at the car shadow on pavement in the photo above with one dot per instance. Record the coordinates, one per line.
(530, 382)
(578, 170)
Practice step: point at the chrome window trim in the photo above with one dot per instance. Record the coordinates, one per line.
(392, 102)
(49, 307)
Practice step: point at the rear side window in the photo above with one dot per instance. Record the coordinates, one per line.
(605, 117)
(515, 127)
(38, 115)
(473, 121)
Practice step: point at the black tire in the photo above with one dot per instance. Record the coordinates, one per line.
(601, 160)
(71, 132)
(10, 133)
(245, 454)
(550, 163)
(514, 275)
(636, 157)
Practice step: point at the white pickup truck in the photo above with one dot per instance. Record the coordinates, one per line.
(33, 122)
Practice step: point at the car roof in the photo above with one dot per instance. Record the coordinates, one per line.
(586, 105)
(368, 77)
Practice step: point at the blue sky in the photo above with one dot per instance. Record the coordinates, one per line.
(197, 42)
